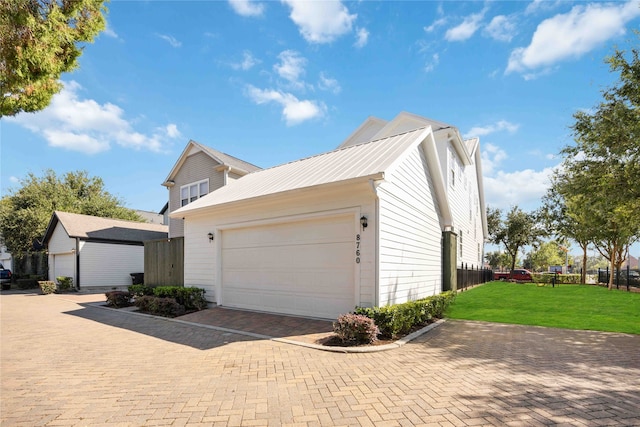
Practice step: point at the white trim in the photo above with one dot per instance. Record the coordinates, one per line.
(191, 184)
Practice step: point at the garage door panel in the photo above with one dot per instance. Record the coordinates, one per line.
(303, 267)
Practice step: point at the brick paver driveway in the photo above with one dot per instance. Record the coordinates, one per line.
(65, 364)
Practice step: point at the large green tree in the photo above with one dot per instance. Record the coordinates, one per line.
(25, 212)
(515, 231)
(601, 170)
(545, 255)
(40, 40)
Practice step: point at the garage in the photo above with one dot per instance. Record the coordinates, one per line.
(301, 267)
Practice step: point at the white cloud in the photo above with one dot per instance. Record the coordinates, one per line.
(541, 5)
(14, 179)
(86, 126)
(433, 63)
(362, 37)
(435, 25)
(522, 188)
(248, 62)
(572, 34)
(170, 39)
(492, 156)
(466, 29)
(501, 28)
(172, 131)
(294, 111)
(247, 7)
(329, 84)
(500, 125)
(108, 31)
(321, 21)
(291, 67)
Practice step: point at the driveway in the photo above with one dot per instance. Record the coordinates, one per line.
(64, 363)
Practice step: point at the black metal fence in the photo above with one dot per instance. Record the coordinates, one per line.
(621, 277)
(470, 275)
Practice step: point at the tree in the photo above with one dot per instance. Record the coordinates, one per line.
(601, 170)
(517, 230)
(39, 40)
(497, 259)
(545, 255)
(25, 213)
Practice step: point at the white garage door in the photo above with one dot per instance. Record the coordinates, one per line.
(304, 267)
(63, 265)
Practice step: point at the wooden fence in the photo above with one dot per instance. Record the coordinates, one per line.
(164, 262)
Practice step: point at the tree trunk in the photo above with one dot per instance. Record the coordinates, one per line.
(613, 269)
(583, 276)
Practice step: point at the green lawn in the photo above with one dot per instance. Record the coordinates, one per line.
(566, 306)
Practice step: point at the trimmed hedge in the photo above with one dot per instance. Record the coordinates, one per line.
(191, 298)
(393, 320)
(563, 279)
(167, 307)
(65, 283)
(140, 290)
(27, 283)
(355, 329)
(47, 286)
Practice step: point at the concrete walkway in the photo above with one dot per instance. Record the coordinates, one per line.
(67, 363)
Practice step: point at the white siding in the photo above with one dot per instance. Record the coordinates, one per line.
(109, 265)
(60, 242)
(410, 234)
(465, 210)
(196, 167)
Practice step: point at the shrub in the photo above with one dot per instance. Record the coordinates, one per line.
(26, 283)
(564, 279)
(393, 320)
(65, 283)
(47, 286)
(118, 299)
(140, 290)
(167, 307)
(191, 298)
(355, 329)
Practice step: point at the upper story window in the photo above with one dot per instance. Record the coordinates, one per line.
(193, 191)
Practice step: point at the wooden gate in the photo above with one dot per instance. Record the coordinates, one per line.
(164, 262)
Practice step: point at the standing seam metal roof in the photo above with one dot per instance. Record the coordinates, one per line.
(355, 161)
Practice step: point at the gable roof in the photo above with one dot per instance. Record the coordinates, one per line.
(233, 163)
(359, 162)
(87, 227)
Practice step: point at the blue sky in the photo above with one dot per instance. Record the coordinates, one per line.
(271, 82)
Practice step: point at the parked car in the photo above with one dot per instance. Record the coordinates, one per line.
(521, 275)
(634, 278)
(5, 278)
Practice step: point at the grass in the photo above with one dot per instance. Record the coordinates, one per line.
(583, 307)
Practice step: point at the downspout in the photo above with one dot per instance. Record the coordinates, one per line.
(376, 271)
(77, 263)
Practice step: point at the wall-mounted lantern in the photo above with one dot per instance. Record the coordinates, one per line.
(363, 222)
(210, 237)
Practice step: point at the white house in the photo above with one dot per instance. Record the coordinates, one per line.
(97, 252)
(384, 219)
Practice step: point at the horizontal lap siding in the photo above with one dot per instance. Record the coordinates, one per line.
(200, 256)
(410, 234)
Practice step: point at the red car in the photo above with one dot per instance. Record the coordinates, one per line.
(519, 275)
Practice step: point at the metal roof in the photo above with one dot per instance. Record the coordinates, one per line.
(89, 227)
(366, 160)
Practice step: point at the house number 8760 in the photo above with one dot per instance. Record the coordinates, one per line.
(357, 249)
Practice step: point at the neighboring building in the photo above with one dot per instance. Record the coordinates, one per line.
(5, 258)
(199, 171)
(385, 218)
(632, 262)
(97, 252)
(152, 217)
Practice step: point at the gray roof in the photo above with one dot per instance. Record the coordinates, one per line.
(369, 160)
(228, 160)
(87, 227)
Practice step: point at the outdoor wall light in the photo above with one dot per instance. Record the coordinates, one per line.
(363, 222)
(210, 237)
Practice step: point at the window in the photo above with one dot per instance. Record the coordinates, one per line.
(193, 191)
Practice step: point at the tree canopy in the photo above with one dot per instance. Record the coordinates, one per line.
(25, 213)
(40, 40)
(598, 182)
(516, 230)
